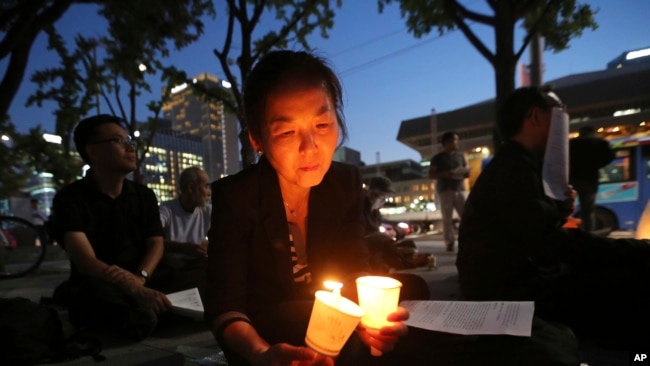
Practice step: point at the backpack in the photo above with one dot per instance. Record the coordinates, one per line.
(32, 333)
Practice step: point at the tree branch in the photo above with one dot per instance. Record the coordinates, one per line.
(533, 30)
(471, 15)
(474, 40)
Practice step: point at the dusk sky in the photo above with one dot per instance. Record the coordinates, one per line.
(388, 75)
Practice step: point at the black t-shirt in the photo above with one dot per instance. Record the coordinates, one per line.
(586, 156)
(116, 228)
(445, 161)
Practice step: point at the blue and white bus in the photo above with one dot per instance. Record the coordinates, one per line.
(624, 185)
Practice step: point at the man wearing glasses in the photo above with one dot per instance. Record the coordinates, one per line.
(512, 244)
(110, 228)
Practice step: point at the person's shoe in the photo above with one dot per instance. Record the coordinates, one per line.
(140, 323)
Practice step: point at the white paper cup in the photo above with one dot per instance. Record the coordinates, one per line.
(330, 325)
(378, 297)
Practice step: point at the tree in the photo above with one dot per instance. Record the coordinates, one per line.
(74, 89)
(298, 20)
(20, 23)
(13, 174)
(556, 20)
(139, 36)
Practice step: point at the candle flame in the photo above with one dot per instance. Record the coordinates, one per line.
(332, 285)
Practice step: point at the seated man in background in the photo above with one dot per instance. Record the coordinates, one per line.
(185, 221)
(110, 228)
(386, 253)
(512, 245)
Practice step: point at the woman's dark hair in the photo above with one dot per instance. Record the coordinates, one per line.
(280, 67)
(517, 105)
(87, 129)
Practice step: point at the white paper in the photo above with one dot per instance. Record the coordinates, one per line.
(555, 171)
(187, 302)
(472, 317)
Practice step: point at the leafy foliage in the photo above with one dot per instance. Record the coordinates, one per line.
(139, 33)
(13, 173)
(298, 19)
(558, 21)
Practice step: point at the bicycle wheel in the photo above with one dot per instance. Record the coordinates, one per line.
(22, 247)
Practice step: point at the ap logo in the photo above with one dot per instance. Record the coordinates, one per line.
(640, 357)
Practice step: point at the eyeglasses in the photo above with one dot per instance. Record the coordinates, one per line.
(125, 142)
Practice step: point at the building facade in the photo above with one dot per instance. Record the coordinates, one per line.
(194, 115)
(169, 154)
(346, 155)
(615, 101)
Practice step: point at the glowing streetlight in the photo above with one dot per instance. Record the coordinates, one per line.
(55, 139)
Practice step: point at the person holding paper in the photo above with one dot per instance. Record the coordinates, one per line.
(512, 245)
(283, 226)
(449, 169)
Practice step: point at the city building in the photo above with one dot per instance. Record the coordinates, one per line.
(409, 179)
(193, 114)
(169, 154)
(346, 155)
(616, 101)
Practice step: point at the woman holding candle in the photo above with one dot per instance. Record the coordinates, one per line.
(285, 225)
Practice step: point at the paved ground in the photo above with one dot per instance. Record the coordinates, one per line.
(188, 342)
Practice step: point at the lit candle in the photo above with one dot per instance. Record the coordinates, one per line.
(378, 297)
(336, 292)
(333, 318)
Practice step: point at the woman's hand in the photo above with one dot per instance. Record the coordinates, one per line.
(282, 354)
(385, 338)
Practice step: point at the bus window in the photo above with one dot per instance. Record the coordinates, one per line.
(621, 169)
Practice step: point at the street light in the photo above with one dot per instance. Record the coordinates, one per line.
(55, 139)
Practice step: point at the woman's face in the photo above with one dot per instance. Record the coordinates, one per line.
(300, 133)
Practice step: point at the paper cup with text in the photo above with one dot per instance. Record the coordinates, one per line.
(378, 297)
(332, 321)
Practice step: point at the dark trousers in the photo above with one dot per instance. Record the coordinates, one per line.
(173, 274)
(587, 191)
(98, 305)
(607, 304)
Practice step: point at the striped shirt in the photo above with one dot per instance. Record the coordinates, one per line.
(301, 273)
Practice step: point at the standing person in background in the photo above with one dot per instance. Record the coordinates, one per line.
(185, 221)
(449, 169)
(39, 219)
(587, 154)
(110, 228)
